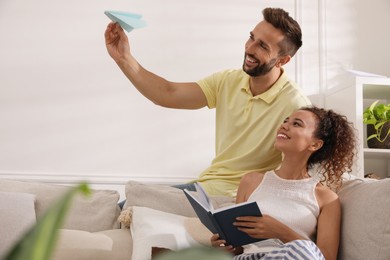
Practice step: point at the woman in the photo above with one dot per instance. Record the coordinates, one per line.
(299, 208)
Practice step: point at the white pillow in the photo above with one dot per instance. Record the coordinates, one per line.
(17, 216)
(154, 228)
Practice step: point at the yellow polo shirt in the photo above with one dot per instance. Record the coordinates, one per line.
(245, 127)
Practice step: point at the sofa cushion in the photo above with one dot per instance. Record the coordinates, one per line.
(97, 212)
(165, 198)
(365, 229)
(17, 215)
(82, 245)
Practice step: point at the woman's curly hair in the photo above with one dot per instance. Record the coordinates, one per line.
(339, 148)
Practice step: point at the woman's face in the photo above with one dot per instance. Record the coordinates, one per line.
(296, 134)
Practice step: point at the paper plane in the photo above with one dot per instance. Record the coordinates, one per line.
(128, 21)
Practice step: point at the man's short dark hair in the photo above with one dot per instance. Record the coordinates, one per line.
(281, 20)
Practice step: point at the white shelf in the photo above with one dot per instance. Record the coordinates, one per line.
(377, 153)
(351, 101)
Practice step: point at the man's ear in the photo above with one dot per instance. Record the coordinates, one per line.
(316, 145)
(283, 60)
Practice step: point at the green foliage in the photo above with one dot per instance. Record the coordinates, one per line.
(39, 242)
(377, 115)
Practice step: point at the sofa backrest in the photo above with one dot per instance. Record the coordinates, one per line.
(365, 227)
(94, 213)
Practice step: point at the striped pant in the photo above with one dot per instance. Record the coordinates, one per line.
(297, 249)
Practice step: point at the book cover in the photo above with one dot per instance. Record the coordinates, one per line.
(221, 220)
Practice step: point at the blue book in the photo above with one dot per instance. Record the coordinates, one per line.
(221, 220)
(128, 21)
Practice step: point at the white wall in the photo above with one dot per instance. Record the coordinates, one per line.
(68, 113)
(356, 38)
(373, 37)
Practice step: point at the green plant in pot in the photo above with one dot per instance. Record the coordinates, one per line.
(377, 119)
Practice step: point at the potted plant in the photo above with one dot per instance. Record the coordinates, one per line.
(377, 119)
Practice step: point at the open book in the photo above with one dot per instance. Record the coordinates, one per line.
(221, 220)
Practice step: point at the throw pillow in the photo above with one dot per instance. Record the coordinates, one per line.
(17, 216)
(154, 228)
(365, 228)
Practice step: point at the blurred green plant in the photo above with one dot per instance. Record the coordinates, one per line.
(39, 242)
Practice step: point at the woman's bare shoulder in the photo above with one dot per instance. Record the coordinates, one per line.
(248, 184)
(325, 195)
(253, 177)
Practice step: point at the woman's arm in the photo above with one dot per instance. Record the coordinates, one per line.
(266, 227)
(328, 226)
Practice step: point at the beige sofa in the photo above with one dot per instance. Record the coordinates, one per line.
(91, 230)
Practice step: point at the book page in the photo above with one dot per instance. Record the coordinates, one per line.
(203, 213)
(203, 197)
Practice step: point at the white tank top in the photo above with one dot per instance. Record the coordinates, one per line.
(292, 202)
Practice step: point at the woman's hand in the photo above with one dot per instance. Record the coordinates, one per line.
(216, 241)
(266, 227)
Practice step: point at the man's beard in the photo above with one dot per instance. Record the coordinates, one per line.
(260, 69)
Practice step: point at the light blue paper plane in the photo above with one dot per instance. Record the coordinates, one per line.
(128, 21)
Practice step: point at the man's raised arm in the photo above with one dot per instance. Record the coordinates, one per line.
(157, 89)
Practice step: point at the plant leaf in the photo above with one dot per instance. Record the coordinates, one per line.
(379, 125)
(372, 136)
(371, 108)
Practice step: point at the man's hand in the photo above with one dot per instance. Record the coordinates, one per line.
(117, 43)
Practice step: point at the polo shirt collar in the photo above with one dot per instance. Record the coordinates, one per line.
(272, 92)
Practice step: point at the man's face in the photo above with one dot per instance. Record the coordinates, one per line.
(260, 69)
(262, 49)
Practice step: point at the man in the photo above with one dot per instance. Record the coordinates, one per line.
(250, 103)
